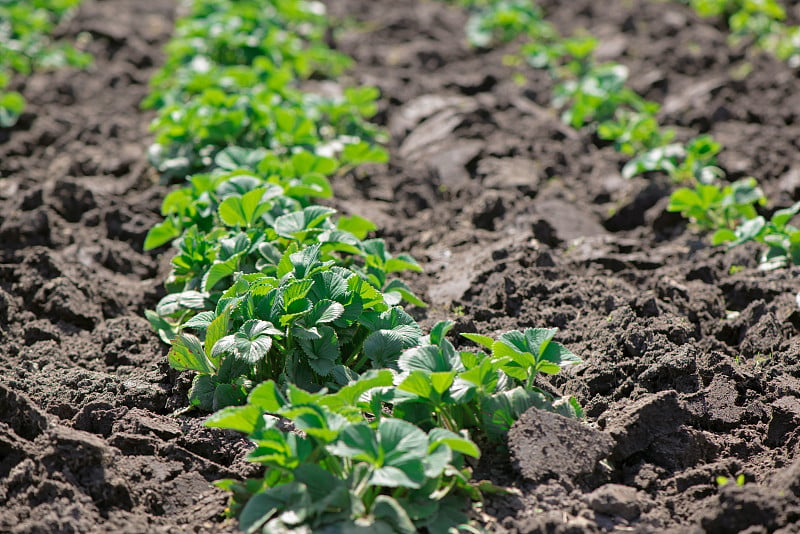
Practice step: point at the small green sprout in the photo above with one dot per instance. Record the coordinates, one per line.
(723, 480)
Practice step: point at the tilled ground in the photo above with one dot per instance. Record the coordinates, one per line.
(690, 371)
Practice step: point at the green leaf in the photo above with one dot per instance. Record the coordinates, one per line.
(359, 442)
(216, 331)
(400, 287)
(501, 410)
(781, 217)
(231, 212)
(723, 236)
(241, 418)
(202, 391)
(749, 230)
(384, 347)
(358, 226)
(166, 330)
(402, 442)
(265, 505)
(220, 270)
(485, 341)
(402, 263)
(187, 355)
(439, 331)
(418, 383)
(457, 443)
(160, 234)
(442, 381)
(227, 395)
(201, 321)
(266, 397)
(253, 341)
(178, 302)
(350, 394)
(325, 348)
(294, 225)
(362, 152)
(305, 162)
(324, 311)
(12, 104)
(559, 355)
(388, 509)
(243, 210)
(296, 290)
(428, 358)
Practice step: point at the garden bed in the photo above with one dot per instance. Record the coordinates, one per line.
(690, 352)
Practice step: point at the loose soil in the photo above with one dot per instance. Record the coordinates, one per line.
(691, 353)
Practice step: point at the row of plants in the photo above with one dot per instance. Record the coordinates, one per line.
(289, 316)
(758, 22)
(594, 95)
(26, 44)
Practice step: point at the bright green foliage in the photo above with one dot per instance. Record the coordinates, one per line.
(345, 473)
(694, 162)
(781, 238)
(761, 21)
(716, 208)
(438, 386)
(25, 45)
(503, 21)
(231, 78)
(313, 325)
(635, 132)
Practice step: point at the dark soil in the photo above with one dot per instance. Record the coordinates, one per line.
(87, 442)
(691, 354)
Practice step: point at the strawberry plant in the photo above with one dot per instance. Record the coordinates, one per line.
(316, 325)
(410, 448)
(693, 162)
(718, 209)
(239, 87)
(438, 386)
(781, 239)
(503, 21)
(762, 22)
(635, 132)
(25, 45)
(343, 472)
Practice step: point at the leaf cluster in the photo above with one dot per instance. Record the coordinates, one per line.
(386, 451)
(313, 324)
(504, 21)
(240, 85)
(761, 22)
(782, 240)
(438, 386)
(26, 28)
(339, 472)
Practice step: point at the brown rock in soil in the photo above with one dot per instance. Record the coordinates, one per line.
(546, 445)
(717, 404)
(785, 420)
(738, 508)
(618, 500)
(645, 421)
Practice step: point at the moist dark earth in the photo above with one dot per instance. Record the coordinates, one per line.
(690, 352)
